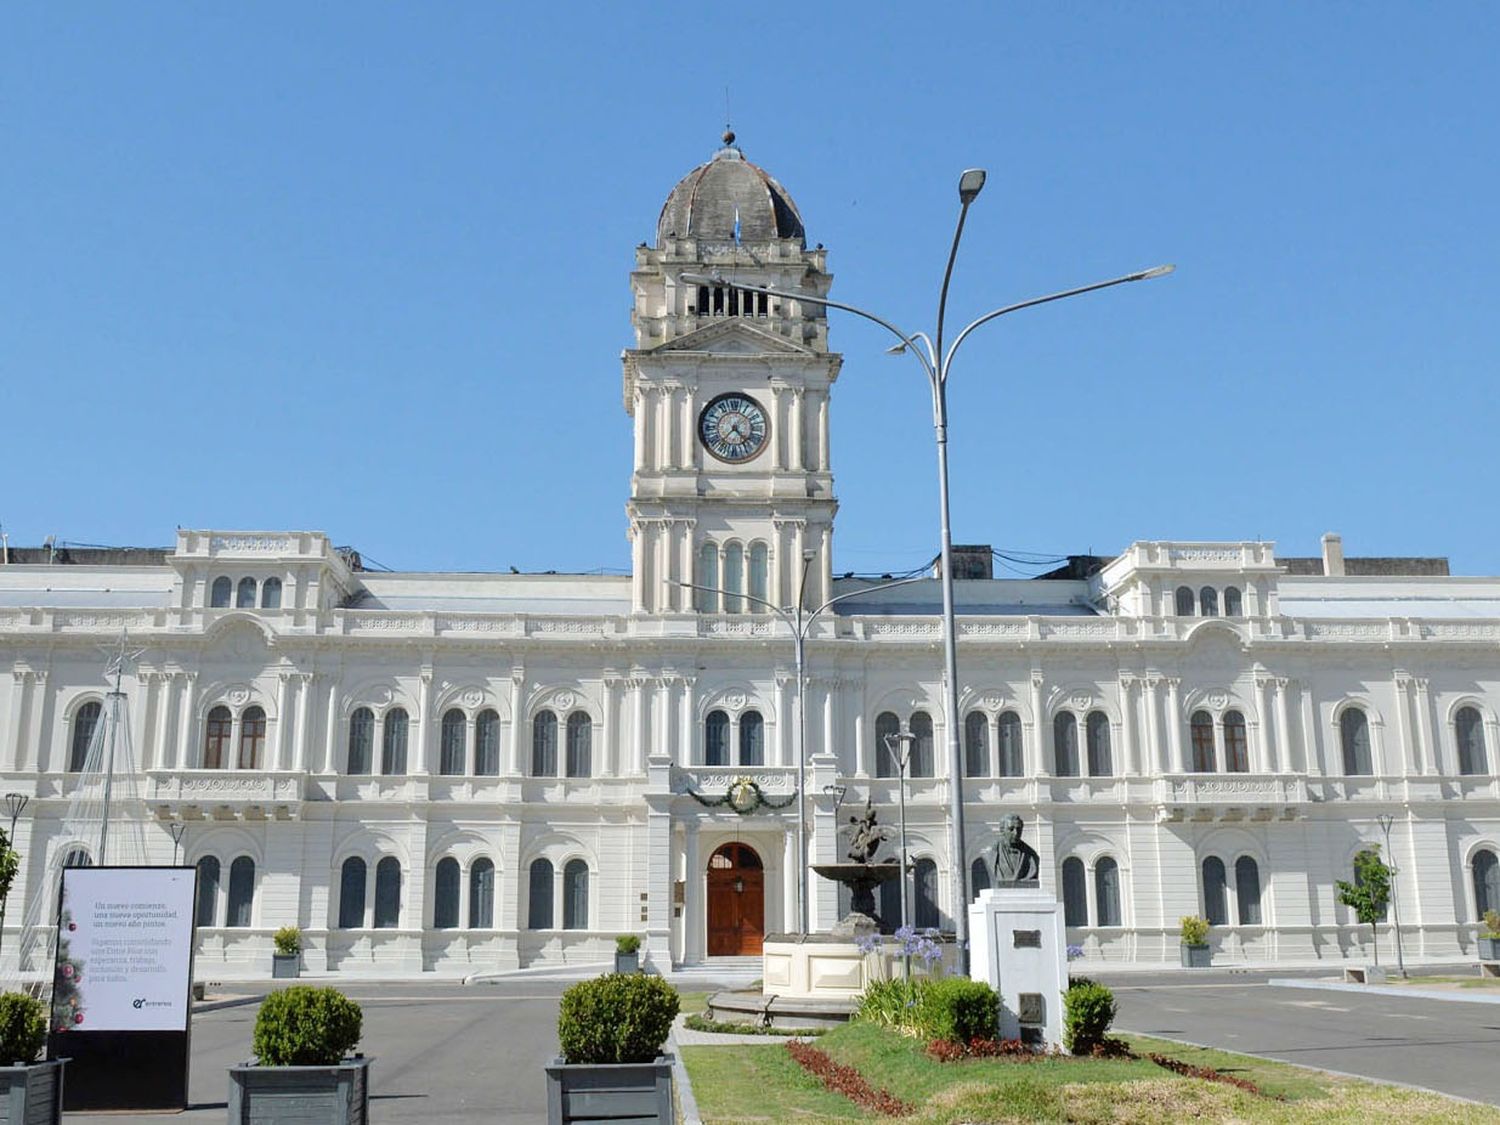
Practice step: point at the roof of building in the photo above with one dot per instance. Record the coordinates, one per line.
(729, 198)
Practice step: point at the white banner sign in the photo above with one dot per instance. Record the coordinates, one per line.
(124, 949)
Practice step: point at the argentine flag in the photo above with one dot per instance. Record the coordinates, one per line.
(736, 224)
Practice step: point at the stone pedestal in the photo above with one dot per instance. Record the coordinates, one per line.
(1018, 947)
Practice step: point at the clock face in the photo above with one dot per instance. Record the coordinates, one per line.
(733, 428)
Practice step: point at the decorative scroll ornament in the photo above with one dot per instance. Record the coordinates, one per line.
(744, 795)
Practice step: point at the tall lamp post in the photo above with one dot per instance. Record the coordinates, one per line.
(800, 623)
(936, 364)
(1385, 820)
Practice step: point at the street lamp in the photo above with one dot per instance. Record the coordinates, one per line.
(936, 364)
(800, 623)
(178, 829)
(1385, 820)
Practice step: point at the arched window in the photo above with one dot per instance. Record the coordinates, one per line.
(1486, 881)
(544, 745)
(976, 744)
(708, 578)
(539, 896)
(1234, 604)
(1075, 893)
(759, 572)
(208, 891)
(1201, 728)
(77, 856)
(270, 594)
(216, 738)
(1468, 730)
(85, 721)
(1107, 891)
(220, 593)
(1065, 742)
(244, 596)
(979, 876)
(734, 578)
(487, 744)
(361, 740)
(576, 895)
(445, 895)
(1184, 601)
(924, 878)
(1354, 738)
(252, 737)
(886, 726)
(1247, 890)
(1208, 602)
(393, 742)
(482, 895)
(752, 739)
(922, 756)
(451, 743)
(241, 891)
(1215, 892)
(1101, 762)
(352, 894)
(580, 745)
(1012, 764)
(716, 739)
(1236, 745)
(388, 893)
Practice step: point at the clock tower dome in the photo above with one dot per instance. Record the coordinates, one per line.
(732, 487)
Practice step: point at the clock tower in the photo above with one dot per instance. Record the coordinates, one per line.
(732, 487)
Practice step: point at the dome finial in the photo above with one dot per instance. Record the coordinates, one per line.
(728, 135)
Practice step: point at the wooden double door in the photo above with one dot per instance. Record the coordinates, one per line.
(736, 901)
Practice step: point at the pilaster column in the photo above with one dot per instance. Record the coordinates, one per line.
(610, 766)
(682, 741)
(1432, 750)
(778, 413)
(517, 722)
(797, 436)
(693, 920)
(1266, 762)
(140, 730)
(166, 725)
(14, 735)
(638, 401)
(778, 560)
(824, 445)
(1174, 726)
(281, 758)
(789, 875)
(861, 750)
(427, 734)
(830, 687)
(1127, 724)
(786, 722)
(1283, 722)
(1041, 739)
(185, 745)
(799, 542)
(1151, 699)
(305, 682)
(1411, 753)
(330, 753)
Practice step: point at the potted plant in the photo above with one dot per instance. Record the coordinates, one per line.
(301, 1038)
(1195, 950)
(627, 953)
(1489, 941)
(611, 1030)
(29, 1090)
(286, 962)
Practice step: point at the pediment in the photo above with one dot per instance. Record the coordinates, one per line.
(733, 337)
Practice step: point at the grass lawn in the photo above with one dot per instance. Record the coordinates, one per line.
(763, 1084)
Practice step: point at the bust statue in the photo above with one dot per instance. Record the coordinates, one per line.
(1016, 862)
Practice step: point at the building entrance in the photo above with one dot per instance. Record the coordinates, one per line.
(736, 901)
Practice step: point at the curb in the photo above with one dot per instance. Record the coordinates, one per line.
(1383, 990)
(229, 1002)
(685, 1100)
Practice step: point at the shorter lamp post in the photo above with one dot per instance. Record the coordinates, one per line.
(898, 746)
(1385, 820)
(179, 830)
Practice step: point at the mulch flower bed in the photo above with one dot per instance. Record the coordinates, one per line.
(847, 1081)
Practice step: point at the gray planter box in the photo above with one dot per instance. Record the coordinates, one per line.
(1489, 949)
(31, 1094)
(330, 1095)
(637, 1092)
(286, 966)
(1196, 956)
(628, 962)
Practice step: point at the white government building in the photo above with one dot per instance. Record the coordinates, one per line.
(475, 771)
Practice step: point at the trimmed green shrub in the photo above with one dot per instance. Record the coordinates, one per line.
(616, 1018)
(1088, 1010)
(958, 1009)
(23, 1028)
(628, 943)
(306, 1026)
(1194, 929)
(288, 940)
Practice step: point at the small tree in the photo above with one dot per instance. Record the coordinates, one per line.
(1368, 894)
(10, 866)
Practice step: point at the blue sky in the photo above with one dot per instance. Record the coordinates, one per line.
(364, 268)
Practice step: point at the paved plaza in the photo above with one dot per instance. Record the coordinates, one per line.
(456, 1054)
